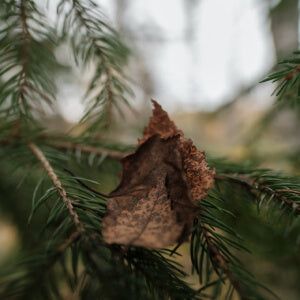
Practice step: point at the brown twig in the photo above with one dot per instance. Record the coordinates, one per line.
(43, 95)
(89, 149)
(71, 240)
(262, 188)
(53, 258)
(221, 262)
(46, 165)
(70, 146)
(288, 191)
(292, 73)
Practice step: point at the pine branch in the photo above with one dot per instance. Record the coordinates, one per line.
(93, 40)
(254, 185)
(276, 193)
(26, 61)
(90, 215)
(71, 145)
(266, 186)
(89, 149)
(71, 240)
(25, 53)
(56, 182)
(252, 182)
(289, 78)
(79, 10)
(166, 280)
(288, 191)
(30, 270)
(221, 262)
(212, 246)
(161, 273)
(76, 211)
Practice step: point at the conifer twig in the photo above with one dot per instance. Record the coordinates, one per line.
(221, 262)
(46, 165)
(247, 182)
(38, 272)
(25, 52)
(89, 149)
(73, 146)
(288, 191)
(107, 71)
(74, 237)
(290, 75)
(71, 240)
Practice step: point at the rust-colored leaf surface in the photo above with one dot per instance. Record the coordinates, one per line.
(163, 180)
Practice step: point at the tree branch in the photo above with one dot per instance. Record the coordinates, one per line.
(70, 241)
(290, 75)
(25, 52)
(46, 165)
(248, 183)
(221, 263)
(70, 146)
(78, 10)
(89, 149)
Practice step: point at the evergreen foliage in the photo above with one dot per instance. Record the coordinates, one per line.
(93, 40)
(58, 215)
(288, 89)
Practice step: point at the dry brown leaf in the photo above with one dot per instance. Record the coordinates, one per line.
(163, 180)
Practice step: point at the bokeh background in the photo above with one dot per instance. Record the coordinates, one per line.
(202, 60)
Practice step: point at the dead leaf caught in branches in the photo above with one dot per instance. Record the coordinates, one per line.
(162, 182)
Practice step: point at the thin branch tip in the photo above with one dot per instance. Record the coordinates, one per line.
(221, 262)
(56, 182)
(252, 186)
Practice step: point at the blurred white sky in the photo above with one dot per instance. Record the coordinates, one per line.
(231, 47)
